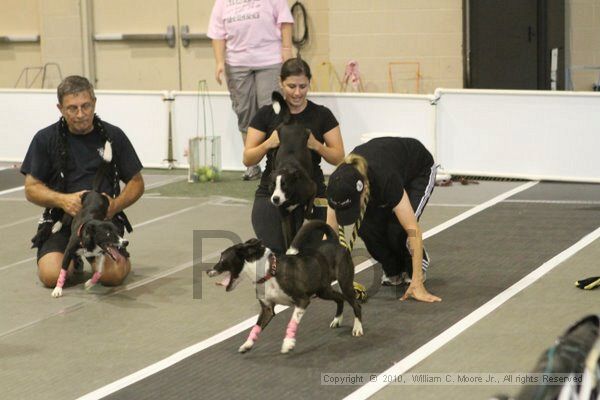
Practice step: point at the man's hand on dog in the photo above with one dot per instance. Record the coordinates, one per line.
(71, 202)
(418, 292)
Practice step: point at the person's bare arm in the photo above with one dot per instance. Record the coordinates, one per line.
(256, 146)
(218, 46)
(38, 193)
(286, 41)
(408, 220)
(333, 149)
(331, 219)
(132, 191)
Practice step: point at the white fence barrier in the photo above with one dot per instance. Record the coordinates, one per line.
(536, 135)
(523, 134)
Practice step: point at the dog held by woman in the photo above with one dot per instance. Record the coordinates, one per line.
(92, 236)
(292, 279)
(291, 180)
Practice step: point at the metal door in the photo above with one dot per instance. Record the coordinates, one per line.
(502, 44)
(20, 51)
(151, 44)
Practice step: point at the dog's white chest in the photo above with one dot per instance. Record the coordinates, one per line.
(270, 291)
(274, 293)
(85, 253)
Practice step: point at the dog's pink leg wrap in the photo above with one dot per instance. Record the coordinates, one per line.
(96, 277)
(61, 278)
(256, 329)
(290, 332)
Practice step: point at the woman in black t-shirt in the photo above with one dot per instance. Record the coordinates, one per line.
(324, 142)
(382, 188)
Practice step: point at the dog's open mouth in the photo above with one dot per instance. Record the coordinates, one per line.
(114, 253)
(226, 281)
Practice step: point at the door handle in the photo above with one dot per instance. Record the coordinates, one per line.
(169, 36)
(186, 36)
(20, 38)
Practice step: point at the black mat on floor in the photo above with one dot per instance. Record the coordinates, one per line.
(473, 261)
(10, 178)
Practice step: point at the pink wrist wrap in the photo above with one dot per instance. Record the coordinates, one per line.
(256, 329)
(290, 332)
(61, 278)
(96, 277)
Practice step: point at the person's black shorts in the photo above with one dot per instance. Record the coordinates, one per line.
(57, 242)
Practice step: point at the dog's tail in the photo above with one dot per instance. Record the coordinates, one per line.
(280, 107)
(105, 166)
(307, 231)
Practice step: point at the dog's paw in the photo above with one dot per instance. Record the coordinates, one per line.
(57, 292)
(337, 322)
(288, 345)
(89, 284)
(246, 346)
(357, 330)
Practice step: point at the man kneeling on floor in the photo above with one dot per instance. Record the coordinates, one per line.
(60, 167)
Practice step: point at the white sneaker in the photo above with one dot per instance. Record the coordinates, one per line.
(407, 279)
(391, 280)
(252, 173)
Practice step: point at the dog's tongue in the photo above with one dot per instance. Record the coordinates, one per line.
(226, 279)
(115, 254)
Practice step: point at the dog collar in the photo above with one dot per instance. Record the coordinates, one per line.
(271, 271)
(79, 232)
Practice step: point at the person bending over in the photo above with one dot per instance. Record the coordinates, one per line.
(381, 189)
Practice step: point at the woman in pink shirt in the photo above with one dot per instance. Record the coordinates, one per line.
(250, 39)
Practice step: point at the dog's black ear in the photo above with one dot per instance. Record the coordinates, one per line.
(297, 175)
(254, 249)
(253, 242)
(84, 195)
(87, 237)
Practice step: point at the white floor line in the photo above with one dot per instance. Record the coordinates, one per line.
(17, 263)
(134, 227)
(150, 186)
(583, 202)
(166, 182)
(247, 324)
(118, 290)
(171, 360)
(436, 343)
(16, 189)
(19, 222)
(430, 204)
(479, 208)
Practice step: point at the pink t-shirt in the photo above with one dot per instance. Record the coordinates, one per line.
(251, 29)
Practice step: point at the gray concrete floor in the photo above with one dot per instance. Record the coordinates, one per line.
(67, 347)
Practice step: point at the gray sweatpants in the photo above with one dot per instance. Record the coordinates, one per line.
(250, 88)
